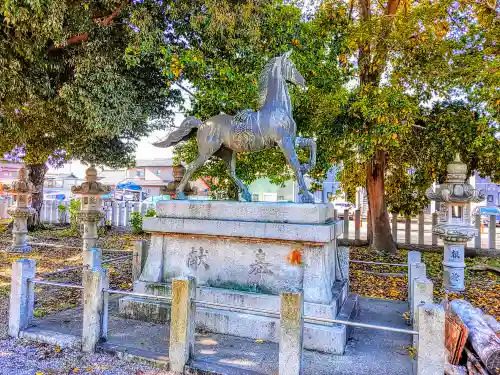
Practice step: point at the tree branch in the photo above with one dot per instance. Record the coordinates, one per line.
(77, 39)
(183, 88)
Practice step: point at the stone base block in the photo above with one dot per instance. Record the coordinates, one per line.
(324, 338)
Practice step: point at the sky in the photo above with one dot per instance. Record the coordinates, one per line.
(145, 150)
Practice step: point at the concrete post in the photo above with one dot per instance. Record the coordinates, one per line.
(423, 289)
(431, 353)
(421, 228)
(413, 257)
(357, 224)
(139, 258)
(407, 230)
(182, 323)
(105, 305)
(22, 296)
(291, 333)
(492, 231)
(346, 224)
(434, 223)
(477, 225)
(93, 307)
(20, 210)
(394, 227)
(416, 270)
(92, 258)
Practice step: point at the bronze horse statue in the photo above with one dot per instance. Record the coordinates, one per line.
(248, 131)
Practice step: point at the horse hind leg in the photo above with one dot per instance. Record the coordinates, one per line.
(229, 158)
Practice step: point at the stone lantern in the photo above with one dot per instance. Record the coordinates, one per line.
(90, 212)
(21, 209)
(454, 226)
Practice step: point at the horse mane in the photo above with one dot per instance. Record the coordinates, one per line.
(242, 116)
(263, 78)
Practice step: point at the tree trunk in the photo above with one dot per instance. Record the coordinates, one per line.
(36, 174)
(381, 238)
(481, 336)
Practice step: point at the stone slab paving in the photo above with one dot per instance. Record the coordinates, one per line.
(368, 351)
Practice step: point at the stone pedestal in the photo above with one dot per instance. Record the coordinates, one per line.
(240, 254)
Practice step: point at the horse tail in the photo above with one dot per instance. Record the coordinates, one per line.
(185, 131)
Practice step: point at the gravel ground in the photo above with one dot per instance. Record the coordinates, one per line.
(20, 357)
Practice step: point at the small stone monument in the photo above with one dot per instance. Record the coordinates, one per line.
(454, 227)
(170, 189)
(90, 212)
(20, 210)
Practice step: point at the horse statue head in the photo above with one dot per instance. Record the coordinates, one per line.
(290, 71)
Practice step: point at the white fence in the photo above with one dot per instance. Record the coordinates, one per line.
(117, 213)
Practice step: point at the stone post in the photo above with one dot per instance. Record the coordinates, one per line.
(413, 257)
(21, 190)
(22, 296)
(434, 237)
(394, 227)
(291, 333)
(357, 224)
(431, 353)
(421, 239)
(416, 270)
(90, 212)
(423, 289)
(477, 225)
(182, 323)
(346, 224)
(139, 258)
(454, 228)
(492, 226)
(94, 280)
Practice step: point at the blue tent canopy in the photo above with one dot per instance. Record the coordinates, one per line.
(129, 186)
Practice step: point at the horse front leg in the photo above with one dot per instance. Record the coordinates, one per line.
(286, 146)
(179, 191)
(310, 144)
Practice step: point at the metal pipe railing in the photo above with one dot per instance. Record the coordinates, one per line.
(380, 263)
(310, 319)
(112, 260)
(134, 294)
(54, 283)
(44, 274)
(249, 310)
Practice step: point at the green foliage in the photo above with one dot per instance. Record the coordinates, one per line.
(245, 36)
(61, 208)
(66, 86)
(74, 208)
(151, 212)
(136, 222)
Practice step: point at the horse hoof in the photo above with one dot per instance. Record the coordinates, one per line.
(247, 197)
(307, 198)
(180, 195)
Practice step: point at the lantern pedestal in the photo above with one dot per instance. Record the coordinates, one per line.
(454, 227)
